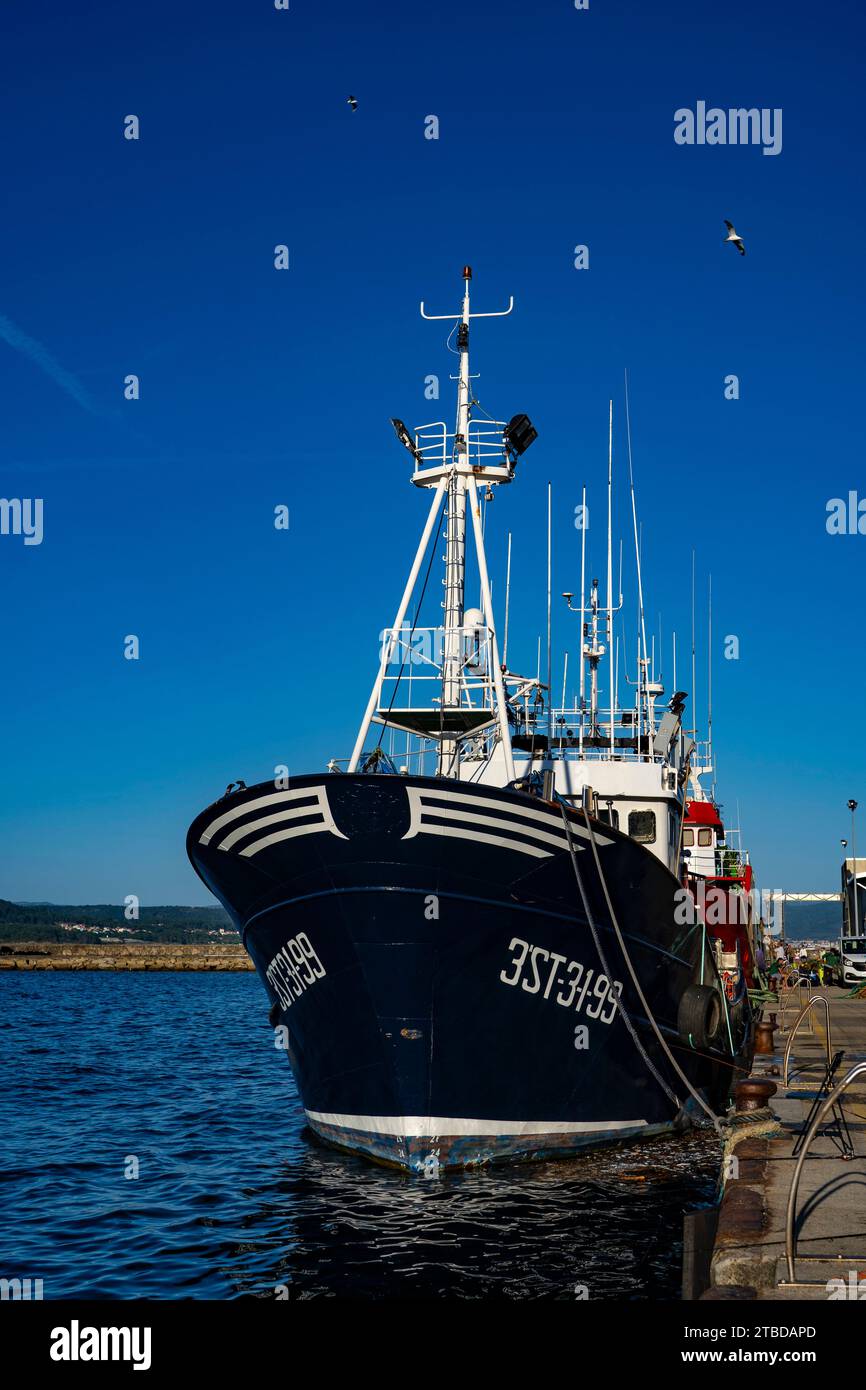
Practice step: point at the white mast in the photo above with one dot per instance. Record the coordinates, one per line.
(507, 602)
(710, 682)
(694, 677)
(549, 666)
(582, 618)
(642, 653)
(610, 568)
(452, 474)
(455, 546)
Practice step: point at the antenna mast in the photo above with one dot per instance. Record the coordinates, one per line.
(460, 481)
(642, 663)
(710, 683)
(455, 539)
(507, 602)
(549, 666)
(582, 617)
(495, 448)
(694, 677)
(610, 568)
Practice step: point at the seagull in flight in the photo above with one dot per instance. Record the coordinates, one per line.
(732, 236)
(352, 102)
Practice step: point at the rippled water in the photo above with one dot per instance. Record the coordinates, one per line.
(234, 1197)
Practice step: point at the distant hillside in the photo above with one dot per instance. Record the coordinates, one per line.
(59, 922)
(815, 920)
(41, 922)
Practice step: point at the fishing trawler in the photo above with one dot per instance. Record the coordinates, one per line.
(476, 947)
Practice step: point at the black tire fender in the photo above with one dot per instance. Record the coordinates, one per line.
(699, 1017)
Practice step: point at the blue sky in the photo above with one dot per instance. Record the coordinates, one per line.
(261, 387)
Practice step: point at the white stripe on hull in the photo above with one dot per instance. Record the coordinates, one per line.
(523, 824)
(452, 831)
(527, 830)
(441, 1127)
(317, 796)
(277, 836)
(278, 818)
(522, 814)
(498, 823)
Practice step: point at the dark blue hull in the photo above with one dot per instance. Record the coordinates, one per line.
(438, 986)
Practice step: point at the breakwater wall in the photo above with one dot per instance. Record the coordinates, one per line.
(110, 955)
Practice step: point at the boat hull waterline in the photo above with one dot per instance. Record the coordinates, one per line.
(434, 974)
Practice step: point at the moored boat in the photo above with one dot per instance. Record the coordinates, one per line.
(475, 947)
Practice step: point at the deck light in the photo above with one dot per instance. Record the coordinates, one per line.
(406, 439)
(519, 434)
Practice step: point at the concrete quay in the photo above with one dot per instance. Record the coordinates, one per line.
(748, 1259)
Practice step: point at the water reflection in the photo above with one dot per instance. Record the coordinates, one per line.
(610, 1221)
(232, 1196)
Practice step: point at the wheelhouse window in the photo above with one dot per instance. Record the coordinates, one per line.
(610, 817)
(688, 837)
(642, 826)
(705, 837)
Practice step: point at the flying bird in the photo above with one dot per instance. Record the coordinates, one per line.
(353, 103)
(732, 237)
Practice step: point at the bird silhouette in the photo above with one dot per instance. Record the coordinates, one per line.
(352, 102)
(734, 238)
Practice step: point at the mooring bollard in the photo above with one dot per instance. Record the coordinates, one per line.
(753, 1094)
(764, 1037)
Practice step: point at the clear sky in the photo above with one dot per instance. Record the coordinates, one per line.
(261, 387)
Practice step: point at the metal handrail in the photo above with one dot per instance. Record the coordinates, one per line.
(787, 990)
(790, 1243)
(815, 999)
(434, 442)
(801, 981)
(783, 996)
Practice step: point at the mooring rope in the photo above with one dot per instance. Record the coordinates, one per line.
(717, 1125)
(618, 997)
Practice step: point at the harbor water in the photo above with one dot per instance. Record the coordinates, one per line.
(153, 1145)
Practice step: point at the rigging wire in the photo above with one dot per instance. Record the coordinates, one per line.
(626, 1018)
(615, 924)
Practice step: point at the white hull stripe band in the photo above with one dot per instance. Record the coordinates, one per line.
(316, 797)
(425, 801)
(438, 1127)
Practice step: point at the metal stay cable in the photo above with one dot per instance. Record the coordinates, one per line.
(717, 1124)
(675, 1100)
(627, 958)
